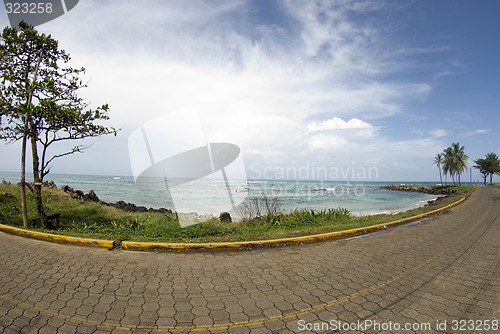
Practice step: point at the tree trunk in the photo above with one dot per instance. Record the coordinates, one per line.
(24, 207)
(27, 119)
(37, 191)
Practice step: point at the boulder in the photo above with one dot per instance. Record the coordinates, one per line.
(91, 196)
(141, 209)
(120, 205)
(225, 217)
(8, 197)
(49, 184)
(163, 210)
(433, 190)
(67, 189)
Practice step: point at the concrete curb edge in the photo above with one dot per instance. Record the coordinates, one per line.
(56, 238)
(145, 246)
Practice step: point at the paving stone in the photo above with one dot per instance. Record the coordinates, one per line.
(445, 268)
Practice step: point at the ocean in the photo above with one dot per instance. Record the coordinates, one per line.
(210, 196)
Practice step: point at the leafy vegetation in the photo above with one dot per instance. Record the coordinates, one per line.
(94, 220)
(453, 162)
(39, 104)
(488, 166)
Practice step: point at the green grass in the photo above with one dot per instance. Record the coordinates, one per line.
(93, 220)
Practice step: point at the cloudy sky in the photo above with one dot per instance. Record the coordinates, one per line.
(295, 84)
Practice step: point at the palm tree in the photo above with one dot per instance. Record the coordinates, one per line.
(455, 161)
(460, 158)
(438, 160)
(448, 164)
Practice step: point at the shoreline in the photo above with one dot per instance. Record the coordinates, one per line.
(432, 190)
(389, 207)
(237, 245)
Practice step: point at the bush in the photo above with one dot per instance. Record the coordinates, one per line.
(261, 206)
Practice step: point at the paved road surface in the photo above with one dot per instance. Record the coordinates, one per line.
(428, 276)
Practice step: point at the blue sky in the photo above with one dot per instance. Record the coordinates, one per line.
(384, 85)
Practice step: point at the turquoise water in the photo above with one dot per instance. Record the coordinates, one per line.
(359, 197)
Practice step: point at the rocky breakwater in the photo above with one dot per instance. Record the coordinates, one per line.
(433, 190)
(92, 197)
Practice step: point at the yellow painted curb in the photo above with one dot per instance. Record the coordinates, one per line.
(60, 239)
(132, 245)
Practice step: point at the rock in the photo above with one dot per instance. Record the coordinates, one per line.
(120, 205)
(7, 197)
(435, 201)
(433, 190)
(225, 217)
(141, 209)
(91, 196)
(49, 184)
(160, 210)
(129, 207)
(163, 210)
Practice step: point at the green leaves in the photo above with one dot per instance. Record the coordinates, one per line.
(39, 100)
(488, 166)
(56, 113)
(454, 160)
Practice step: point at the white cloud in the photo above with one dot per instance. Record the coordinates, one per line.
(428, 50)
(255, 84)
(437, 133)
(338, 123)
(476, 132)
(322, 142)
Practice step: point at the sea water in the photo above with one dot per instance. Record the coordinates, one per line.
(361, 198)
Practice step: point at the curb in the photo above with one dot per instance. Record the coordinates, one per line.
(60, 239)
(147, 246)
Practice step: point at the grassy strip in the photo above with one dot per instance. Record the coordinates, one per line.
(93, 220)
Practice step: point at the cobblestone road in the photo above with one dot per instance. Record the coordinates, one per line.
(428, 277)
